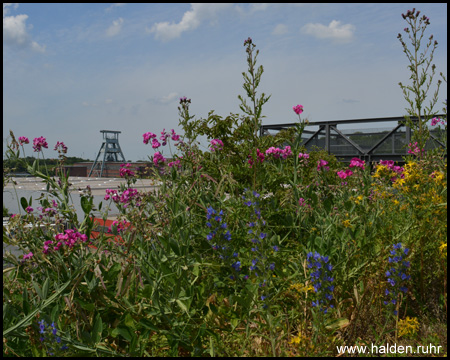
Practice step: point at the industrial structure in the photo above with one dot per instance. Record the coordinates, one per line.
(368, 144)
(111, 151)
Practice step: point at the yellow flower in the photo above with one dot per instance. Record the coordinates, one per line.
(443, 249)
(407, 327)
(346, 223)
(302, 288)
(359, 199)
(399, 182)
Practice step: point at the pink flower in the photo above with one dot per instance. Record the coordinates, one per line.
(176, 163)
(434, 121)
(23, 140)
(286, 152)
(113, 192)
(27, 256)
(414, 149)
(298, 109)
(277, 152)
(39, 143)
(388, 163)
(155, 144)
(303, 156)
(322, 164)
(259, 155)
(125, 170)
(355, 162)
(344, 174)
(147, 136)
(175, 137)
(60, 147)
(29, 209)
(158, 158)
(301, 202)
(164, 137)
(216, 144)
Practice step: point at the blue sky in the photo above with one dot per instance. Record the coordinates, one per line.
(71, 70)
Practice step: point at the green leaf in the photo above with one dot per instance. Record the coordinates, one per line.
(86, 205)
(24, 203)
(45, 289)
(174, 246)
(124, 332)
(40, 307)
(338, 324)
(38, 289)
(148, 324)
(85, 305)
(25, 302)
(97, 329)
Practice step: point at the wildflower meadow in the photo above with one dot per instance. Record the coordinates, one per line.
(255, 246)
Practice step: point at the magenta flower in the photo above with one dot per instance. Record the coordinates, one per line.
(69, 238)
(60, 147)
(322, 164)
(216, 144)
(176, 163)
(147, 136)
(23, 140)
(158, 158)
(390, 165)
(414, 149)
(277, 152)
(303, 156)
(164, 137)
(344, 174)
(434, 121)
(27, 256)
(39, 143)
(29, 209)
(125, 170)
(259, 155)
(112, 192)
(155, 144)
(298, 109)
(175, 137)
(356, 162)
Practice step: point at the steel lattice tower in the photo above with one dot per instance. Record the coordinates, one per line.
(110, 148)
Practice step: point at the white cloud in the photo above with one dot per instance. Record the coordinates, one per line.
(6, 7)
(334, 31)
(280, 29)
(115, 28)
(167, 99)
(166, 31)
(15, 30)
(109, 8)
(259, 6)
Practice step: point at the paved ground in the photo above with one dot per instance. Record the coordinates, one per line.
(33, 187)
(98, 185)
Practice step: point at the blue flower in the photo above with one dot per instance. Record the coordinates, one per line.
(321, 280)
(396, 275)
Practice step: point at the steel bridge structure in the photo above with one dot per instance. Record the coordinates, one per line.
(389, 142)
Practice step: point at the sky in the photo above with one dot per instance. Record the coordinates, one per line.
(71, 70)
